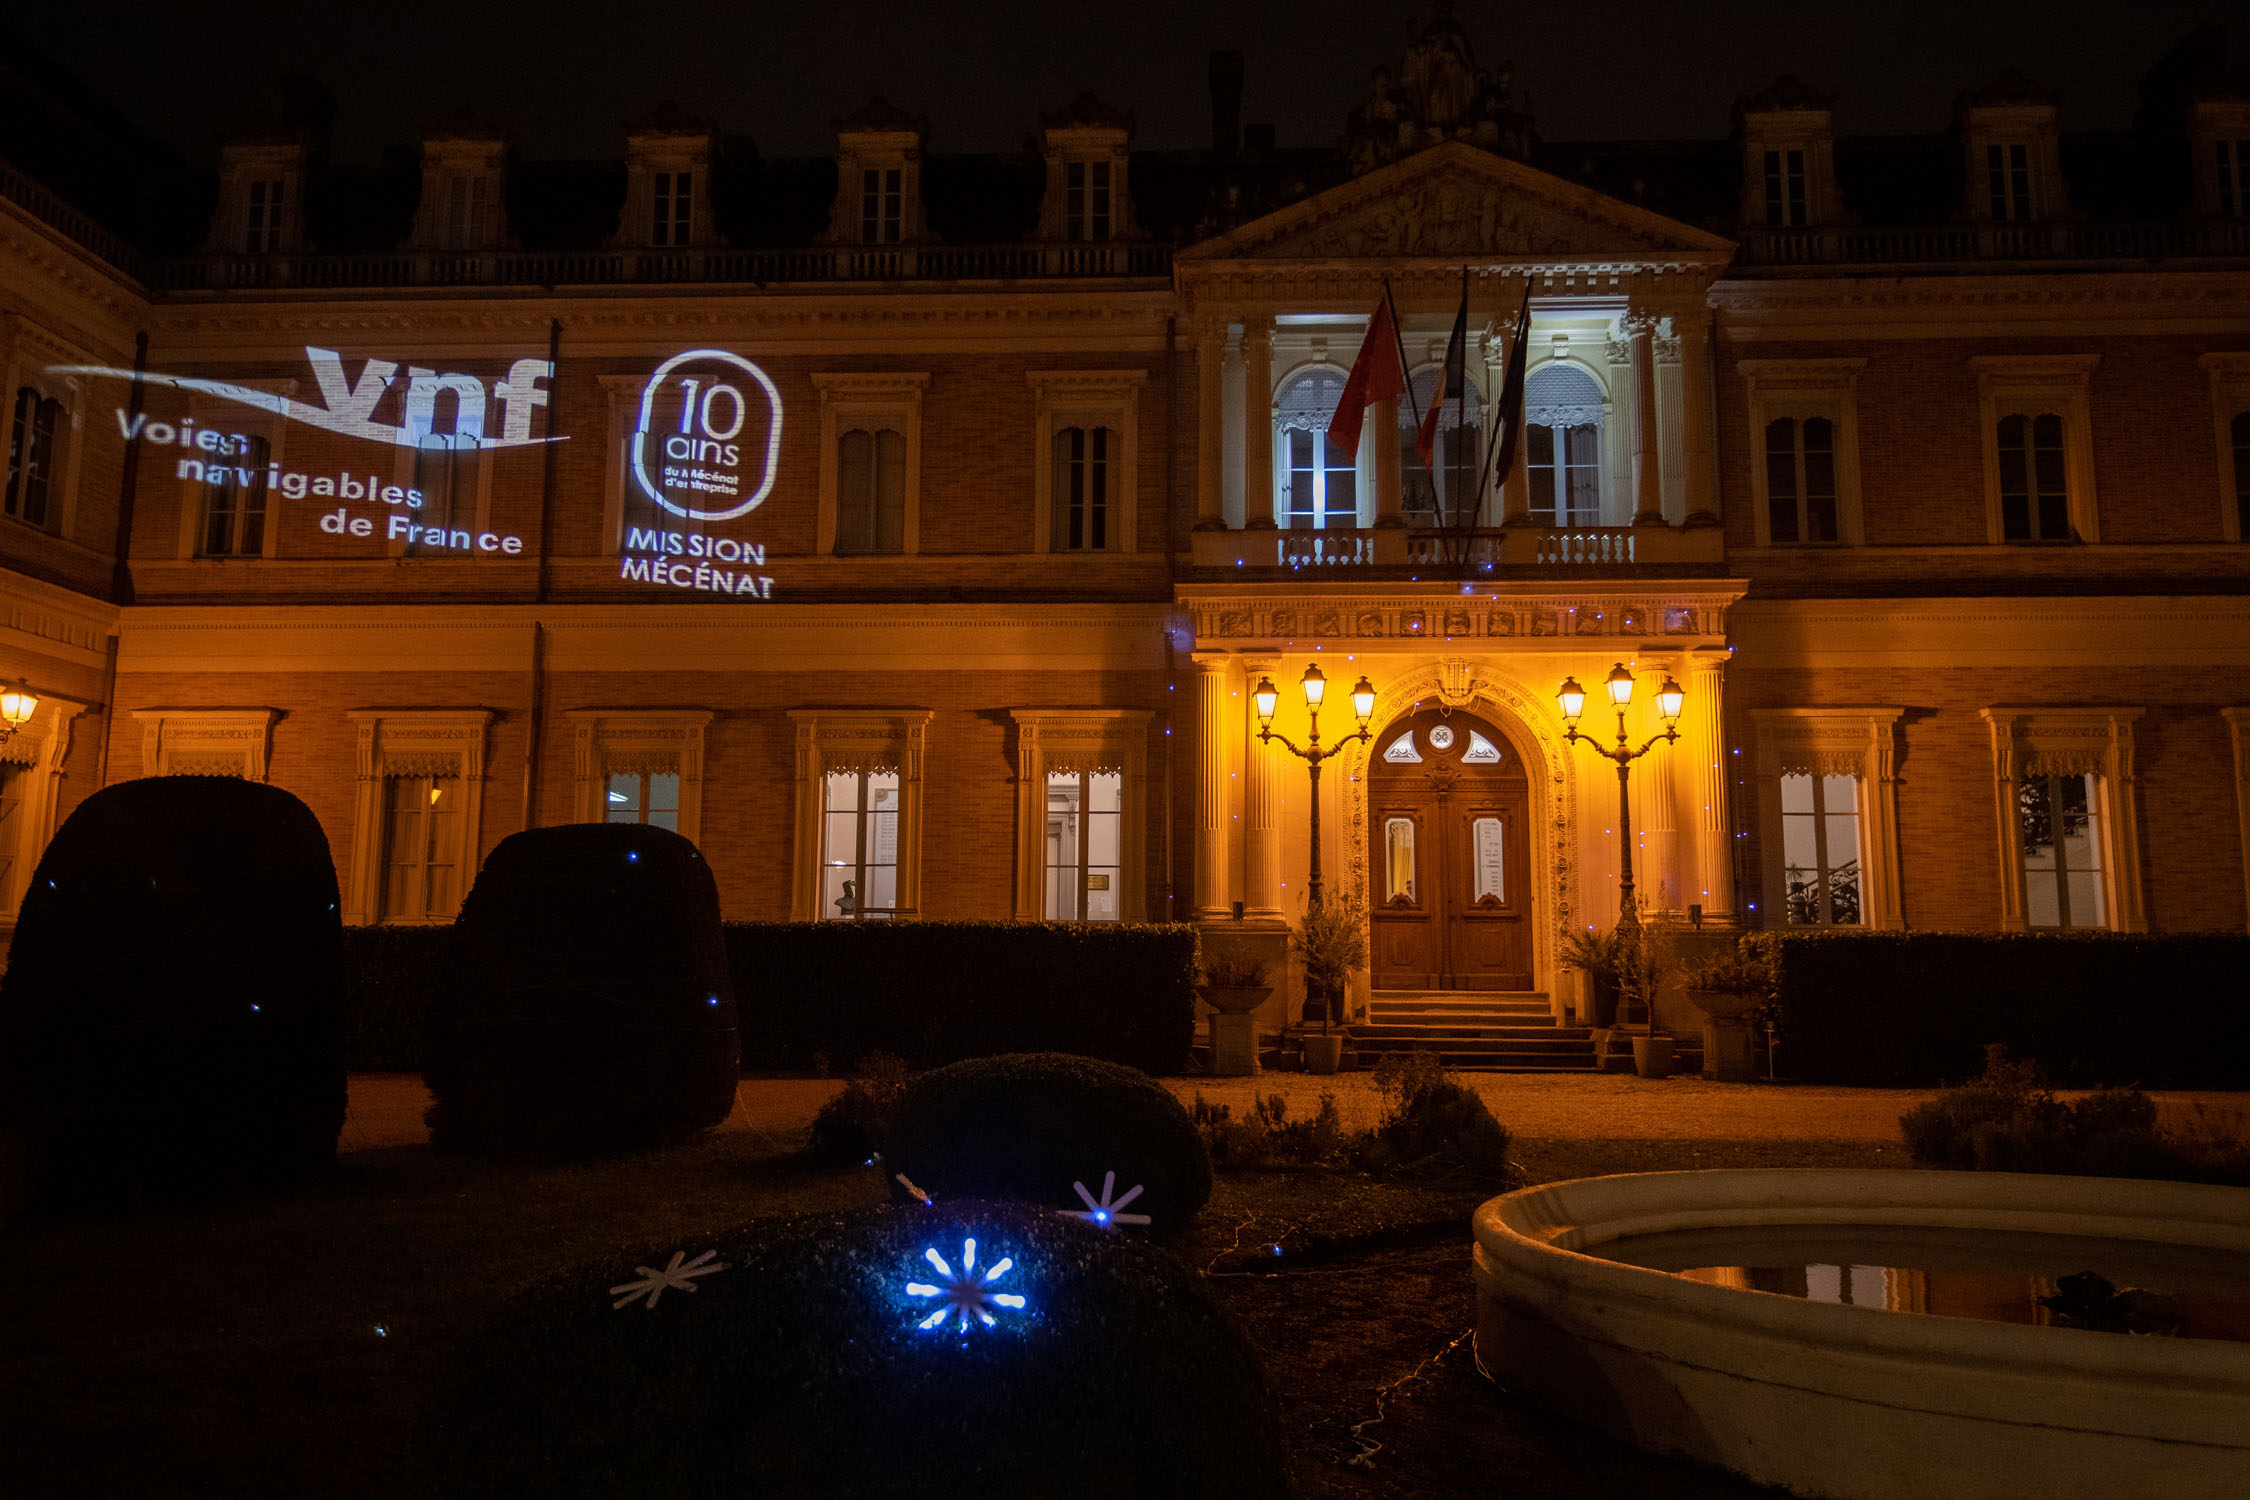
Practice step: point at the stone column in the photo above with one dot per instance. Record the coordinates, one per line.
(1257, 423)
(1648, 470)
(1263, 768)
(1692, 323)
(1213, 823)
(1210, 423)
(1660, 879)
(1706, 742)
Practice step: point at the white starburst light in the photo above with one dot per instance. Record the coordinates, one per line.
(655, 1283)
(1106, 1211)
(965, 1294)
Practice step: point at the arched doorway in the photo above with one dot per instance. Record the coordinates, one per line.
(1449, 822)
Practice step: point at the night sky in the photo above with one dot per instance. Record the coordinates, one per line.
(983, 72)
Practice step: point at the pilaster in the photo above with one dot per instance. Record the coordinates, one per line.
(1212, 735)
(1261, 804)
(1692, 324)
(1257, 423)
(1714, 823)
(1648, 477)
(1210, 422)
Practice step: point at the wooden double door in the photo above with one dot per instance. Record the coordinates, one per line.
(1449, 854)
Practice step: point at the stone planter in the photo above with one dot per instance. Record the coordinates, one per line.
(1727, 1053)
(1652, 1055)
(1324, 1053)
(1234, 1032)
(1234, 999)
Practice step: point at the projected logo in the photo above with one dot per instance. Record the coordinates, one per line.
(709, 432)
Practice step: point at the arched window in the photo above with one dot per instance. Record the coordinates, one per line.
(33, 496)
(1454, 460)
(1563, 442)
(1322, 480)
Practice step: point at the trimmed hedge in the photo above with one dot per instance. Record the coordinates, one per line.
(1915, 1009)
(590, 1007)
(171, 1016)
(800, 1369)
(1025, 1126)
(937, 992)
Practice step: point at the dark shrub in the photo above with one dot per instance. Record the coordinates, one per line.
(392, 976)
(1026, 1126)
(1438, 1128)
(1267, 1137)
(937, 992)
(800, 1371)
(590, 1007)
(1912, 1009)
(169, 1017)
(853, 1126)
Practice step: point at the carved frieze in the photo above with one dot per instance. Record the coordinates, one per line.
(1380, 615)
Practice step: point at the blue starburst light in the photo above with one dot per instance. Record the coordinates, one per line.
(964, 1293)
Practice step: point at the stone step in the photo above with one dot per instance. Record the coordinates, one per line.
(1399, 1015)
(1575, 1036)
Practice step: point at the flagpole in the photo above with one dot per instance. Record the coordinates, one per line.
(1405, 370)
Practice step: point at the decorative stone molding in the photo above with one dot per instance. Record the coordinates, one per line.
(1803, 388)
(395, 742)
(1683, 618)
(1856, 742)
(2096, 742)
(31, 763)
(857, 739)
(206, 741)
(606, 741)
(1080, 740)
(874, 400)
(1087, 398)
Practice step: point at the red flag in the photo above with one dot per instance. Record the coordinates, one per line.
(1376, 376)
(1448, 383)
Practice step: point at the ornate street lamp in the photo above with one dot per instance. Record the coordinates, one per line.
(1669, 700)
(1315, 685)
(17, 704)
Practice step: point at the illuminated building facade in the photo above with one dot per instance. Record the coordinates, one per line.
(911, 531)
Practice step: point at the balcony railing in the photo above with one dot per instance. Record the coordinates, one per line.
(2179, 239)
(1546, 549)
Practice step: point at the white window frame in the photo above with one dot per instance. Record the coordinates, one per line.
(2030, 386)
(1802, 388)
(857, 739)
(621, 741)
(1607, 484)
(62, 481)
(206, 741)
(1081, 739)
(2070, 741)
(2230, 398)
(34, 755)
(401, 742)
(872, 400)
(1087, 398)
(670, 154)
(1363, 466)
(1857, 742)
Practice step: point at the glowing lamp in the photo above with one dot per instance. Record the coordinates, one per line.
(1265, 695)
(1315, 686)
(1572, 698)
(1620, 685)
(1669, 699)
(17, 704)
(1363, 701)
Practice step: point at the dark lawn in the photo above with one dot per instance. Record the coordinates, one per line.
(279, 1346)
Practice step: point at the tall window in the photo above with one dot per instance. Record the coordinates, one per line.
(1785, 188)
(422, 847)
(2034, 493)
(871, 491)
(2058, 819)
(650, 797)
(1084, 469)
(234, 500)
(2234, 178)
(261, 225)
(1801, 479)
(1323, 480)
(1460, 428)
(1086, 200)
(2239, 430)
(2007, 178)
(881, 206)
(1085, 866)
(1563, 445)
(1398, 859)
(31, 494)
(859, 846)
(445, 468)
(465, 210)
(673, 202)
(1820, 850)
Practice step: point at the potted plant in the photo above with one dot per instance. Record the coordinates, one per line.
(1233, 985)
(1640, 969)
(1595, 955)
(1330, 943)
(1729, 987)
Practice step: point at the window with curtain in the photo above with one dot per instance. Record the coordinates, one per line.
(647, 797)
(1398, 861)
(1086, 200)
(421, 847)
(1446, 490)
(2007, 180)
(2034, 482)
(881, 206)
(445, 468)
(33, 497)
(234, 502)
(871, 491)
(1801, 479)
(1322, 480)
(1563, 446)
(672, 204)
(1085, 469)
(1820, 849)
(1085, 843)
(2058, 818)
(859, 846)
(1785, 189)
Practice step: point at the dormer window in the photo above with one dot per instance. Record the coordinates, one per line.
(882, 206)
(261, 227)
(465, 212)
(1786, 202)
(1086, 200)
(672, 205)
(2007, 172)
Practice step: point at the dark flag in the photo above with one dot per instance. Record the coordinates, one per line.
(1511, 396)
(1449, 384)
(1377, 375)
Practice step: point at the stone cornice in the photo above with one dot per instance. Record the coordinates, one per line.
(1659, 615)
(2186, 302)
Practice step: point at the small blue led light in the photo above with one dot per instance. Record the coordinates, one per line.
(1277, 1249)
(254, 1010)
(382, 1331)
(714, 1000)
(632, 856)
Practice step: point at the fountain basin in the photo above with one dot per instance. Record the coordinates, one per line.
(1856, 1402)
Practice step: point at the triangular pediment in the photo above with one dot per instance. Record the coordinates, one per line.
(1456, 200)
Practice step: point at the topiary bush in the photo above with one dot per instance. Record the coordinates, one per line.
(854, 1125)
(590, 1007)
(392, 976)
(1026, 1126)
(169, 1018)
(801, 1369)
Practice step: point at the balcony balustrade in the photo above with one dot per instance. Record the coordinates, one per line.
(1547, 550)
